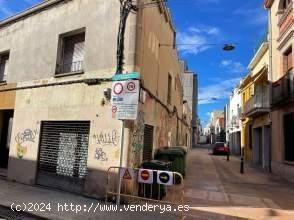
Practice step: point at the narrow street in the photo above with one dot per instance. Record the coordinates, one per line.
(216, 190)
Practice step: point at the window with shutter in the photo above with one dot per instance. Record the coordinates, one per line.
(72, 54)
(148, 142)
(288, 60)
(169, 88)
(4, 61)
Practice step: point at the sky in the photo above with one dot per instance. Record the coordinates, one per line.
(206, 22)
(203, 22)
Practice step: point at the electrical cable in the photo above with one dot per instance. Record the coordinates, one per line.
(125, 9)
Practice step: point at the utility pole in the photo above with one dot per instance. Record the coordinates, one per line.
(126, 6)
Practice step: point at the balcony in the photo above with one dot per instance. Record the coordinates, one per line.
(257, 105)
(286, 19)
(283, 90)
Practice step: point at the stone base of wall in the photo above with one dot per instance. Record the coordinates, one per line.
(284, 170)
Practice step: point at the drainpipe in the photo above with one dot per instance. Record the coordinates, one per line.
(270, 81)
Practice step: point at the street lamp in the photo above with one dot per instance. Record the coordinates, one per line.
(226, 47)
(229, 47)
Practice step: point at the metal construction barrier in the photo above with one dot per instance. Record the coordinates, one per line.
(140, 185)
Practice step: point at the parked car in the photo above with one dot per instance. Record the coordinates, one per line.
(221, 148)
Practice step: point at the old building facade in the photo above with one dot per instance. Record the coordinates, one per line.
(57, 60)
(257, 107)
(246, 91)
(281, 26)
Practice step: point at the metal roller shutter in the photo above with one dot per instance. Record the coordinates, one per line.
(63, 154)
(148, 142)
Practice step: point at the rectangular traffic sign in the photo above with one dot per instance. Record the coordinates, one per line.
(124, 99)
(126, 76)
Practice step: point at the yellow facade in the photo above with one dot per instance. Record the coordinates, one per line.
(246, 90)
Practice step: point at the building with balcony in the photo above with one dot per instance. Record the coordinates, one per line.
(257, 107)
(255, 96)
(281, 26)
(246, 91)
(57, 60)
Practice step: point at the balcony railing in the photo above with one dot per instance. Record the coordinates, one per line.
(257, 105)
(69, 67)
(283, 90)
(286, 19)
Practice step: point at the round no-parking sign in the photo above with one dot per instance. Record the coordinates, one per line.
(118, 88)
(145, 176)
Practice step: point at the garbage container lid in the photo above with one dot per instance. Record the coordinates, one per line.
(182, 148)
(155, 165)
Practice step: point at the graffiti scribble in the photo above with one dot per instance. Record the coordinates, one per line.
(100, 155)
(107, 138)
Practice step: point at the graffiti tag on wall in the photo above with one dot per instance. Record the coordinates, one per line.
(100, 155)
(27, 136)
(138, 133)
(104, 138)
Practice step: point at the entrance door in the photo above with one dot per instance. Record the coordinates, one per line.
(288, 136)
(63, 154)
(257, 146)
(267, 146)
(6, 118)
(260, 147)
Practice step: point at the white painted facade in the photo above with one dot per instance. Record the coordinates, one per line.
(233, 122)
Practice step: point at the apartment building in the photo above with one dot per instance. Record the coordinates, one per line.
(233, 122)
(246, 92)
(57, 61)
(257, 107)
(189, 81)
(281, 28)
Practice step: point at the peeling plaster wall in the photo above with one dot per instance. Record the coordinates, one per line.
(155, 63)
(33, 45)
(33, 41)
(78, 102)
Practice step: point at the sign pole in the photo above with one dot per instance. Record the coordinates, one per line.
(120, 162)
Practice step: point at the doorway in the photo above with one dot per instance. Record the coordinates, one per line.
(6, 119)
(258, 147)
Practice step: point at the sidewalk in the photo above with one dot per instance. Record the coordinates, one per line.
(11, 192)
(216, 186)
